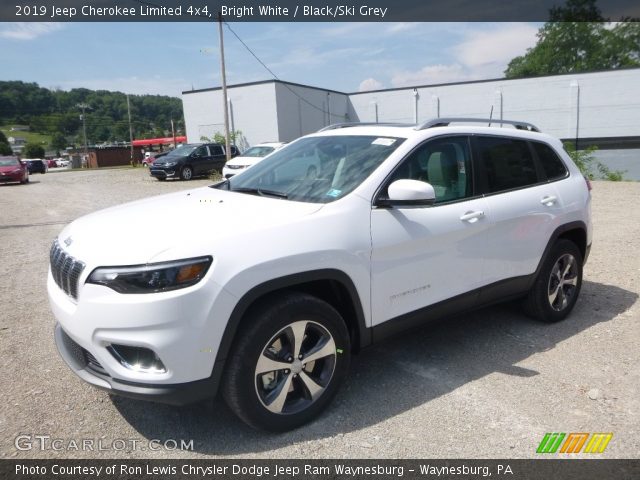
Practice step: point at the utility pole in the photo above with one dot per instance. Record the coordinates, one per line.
(225, 100)
(130, 129)
(84, 131)
(173, 132)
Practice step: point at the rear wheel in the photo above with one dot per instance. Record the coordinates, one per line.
(287, 363)
(558, 284)
(186, 173)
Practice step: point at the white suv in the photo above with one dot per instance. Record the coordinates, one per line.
(269, 281)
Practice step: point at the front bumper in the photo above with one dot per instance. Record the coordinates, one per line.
(12, 177)
(163, 172)
(83, 364)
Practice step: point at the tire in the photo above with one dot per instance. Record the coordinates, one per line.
(272, 333)
(186, 173)
(557, 286)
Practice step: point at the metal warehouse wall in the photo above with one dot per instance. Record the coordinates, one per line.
(303, 110)
(252, 110)
(593, 105)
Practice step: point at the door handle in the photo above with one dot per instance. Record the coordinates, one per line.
(472, 216)
(548, 200)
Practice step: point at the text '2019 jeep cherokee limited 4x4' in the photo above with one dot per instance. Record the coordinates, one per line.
(270, 280)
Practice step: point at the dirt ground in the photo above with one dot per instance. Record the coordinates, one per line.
(484, 385)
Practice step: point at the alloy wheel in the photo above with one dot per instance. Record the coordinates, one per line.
(295, 367)
(563, 282)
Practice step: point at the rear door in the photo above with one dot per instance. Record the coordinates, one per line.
(522, 204)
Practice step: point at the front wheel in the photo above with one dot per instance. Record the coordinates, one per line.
(287, 363)
(557, 286)
(186, 173)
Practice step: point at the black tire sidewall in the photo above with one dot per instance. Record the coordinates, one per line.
(264, 323)
(560, 248)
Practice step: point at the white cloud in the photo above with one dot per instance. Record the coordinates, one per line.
(400, 27)
(482, 54)
(497, 46)
(29, 31)
(370, 84)
(431, 74)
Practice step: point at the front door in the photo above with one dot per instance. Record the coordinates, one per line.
(424, 255)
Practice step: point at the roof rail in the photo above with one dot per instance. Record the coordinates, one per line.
(335, 126)
(444, 122)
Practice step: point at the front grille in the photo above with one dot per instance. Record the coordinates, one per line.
(65, 269)
(93, 363)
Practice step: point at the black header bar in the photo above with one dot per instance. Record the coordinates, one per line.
(296, 10)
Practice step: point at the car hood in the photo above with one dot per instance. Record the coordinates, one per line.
(178, 225)
(10, 168)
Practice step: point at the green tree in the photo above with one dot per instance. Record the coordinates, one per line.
(591, 167)
(58, 142)
(219, 137)
(33, 150)
(5, 148)
(577, 38)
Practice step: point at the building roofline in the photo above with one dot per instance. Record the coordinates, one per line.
(500, 79)
(263, 82)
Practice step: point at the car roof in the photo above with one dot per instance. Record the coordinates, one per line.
(439, 126)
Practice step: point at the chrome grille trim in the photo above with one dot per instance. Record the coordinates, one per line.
(65, 270)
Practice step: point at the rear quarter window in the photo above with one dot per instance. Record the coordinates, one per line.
(550, 162)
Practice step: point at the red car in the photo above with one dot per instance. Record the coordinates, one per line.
(13, 170)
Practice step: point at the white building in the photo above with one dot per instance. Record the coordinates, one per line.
(599, 108)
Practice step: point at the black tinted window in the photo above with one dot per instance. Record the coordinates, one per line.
(507, 163)
(551, 163)
(216, 150)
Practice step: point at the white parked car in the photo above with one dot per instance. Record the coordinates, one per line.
(264, 285)
(249, 158)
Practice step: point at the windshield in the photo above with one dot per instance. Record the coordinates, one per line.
(315, 169)
(258, 152)
(8, 162)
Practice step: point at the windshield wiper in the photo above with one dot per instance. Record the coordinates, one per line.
(260, 191)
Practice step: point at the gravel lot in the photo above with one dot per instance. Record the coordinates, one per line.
(485, 385)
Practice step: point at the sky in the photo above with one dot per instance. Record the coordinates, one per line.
(169, 58)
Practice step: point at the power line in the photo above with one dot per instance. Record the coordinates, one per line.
(276, 77)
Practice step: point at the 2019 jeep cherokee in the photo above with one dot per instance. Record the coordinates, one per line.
(263, 285)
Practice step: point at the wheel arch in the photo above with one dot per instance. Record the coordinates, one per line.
(573, 231)
(332, 286)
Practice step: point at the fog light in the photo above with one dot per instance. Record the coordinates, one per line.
(138, 359)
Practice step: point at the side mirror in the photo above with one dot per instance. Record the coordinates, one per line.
(409, 193)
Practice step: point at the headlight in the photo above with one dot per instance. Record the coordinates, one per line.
(170, 164)
(152, 278)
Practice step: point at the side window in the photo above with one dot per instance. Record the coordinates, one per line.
(216, 150)
(445, 163)
(549, 160)
(507, 163)
(201, 151)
